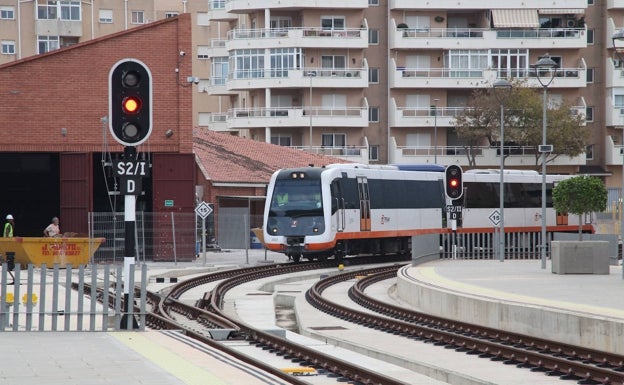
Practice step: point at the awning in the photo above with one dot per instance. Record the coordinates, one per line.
(561, 11)
(515, 18)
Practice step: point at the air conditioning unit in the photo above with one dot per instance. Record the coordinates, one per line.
(571, 23)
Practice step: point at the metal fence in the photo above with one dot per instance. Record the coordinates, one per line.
(173, 236)
(59, 299)
(165, 236)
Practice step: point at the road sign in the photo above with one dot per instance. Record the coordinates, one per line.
(454, 212)
(203, 210)
(495, 217)
(168, 202)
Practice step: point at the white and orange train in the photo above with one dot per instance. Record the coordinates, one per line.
(350, 209)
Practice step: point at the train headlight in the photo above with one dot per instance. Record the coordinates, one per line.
(315, 230)
(274, 230)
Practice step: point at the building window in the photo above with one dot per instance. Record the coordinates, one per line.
(216, 4)
(373, 152)
(283, 60)
(220, 69)
(202, 52)
(138, 17)
(247, 63)
(590, 75)
(8, 47)
(203, 19)
(70, 10)
(47, 11)
(334, 140)
(333, 22)
(590, 36)
(590, 2)
(373, 114)
(47, 43)
(281, 140)
(7, 13)
(589, 114)
(589, 152)
(373, 75)
(106, 16)
(373, 2)
(170, 14)
(373, 36)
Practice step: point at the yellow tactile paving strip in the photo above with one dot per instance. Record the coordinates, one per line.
(145, 344)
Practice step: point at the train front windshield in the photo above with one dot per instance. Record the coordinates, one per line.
(296, 208)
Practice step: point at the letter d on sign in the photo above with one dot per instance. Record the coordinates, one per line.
(131, 186)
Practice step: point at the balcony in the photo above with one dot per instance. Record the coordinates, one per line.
(217, 86)
(214, 121)
(247, 6)
(422, 116)
(217, 11)
(305, 37)
(613, 152)
(239, 118)
(298, 78)
(58, 27)
(478, 38)
(217, 48)
(486, 156)
(615, 4)
(485, 5)
(357, 154)
(614, 75)
(401, 77)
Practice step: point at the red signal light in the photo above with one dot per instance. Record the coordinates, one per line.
(131, 105)
(454, 183)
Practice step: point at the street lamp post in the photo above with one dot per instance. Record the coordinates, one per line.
(619, 36)
(502, 89)
(545, 70)
(310, 74)
(435, 130)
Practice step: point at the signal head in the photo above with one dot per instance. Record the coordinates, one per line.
(453, 184)
(130, 102)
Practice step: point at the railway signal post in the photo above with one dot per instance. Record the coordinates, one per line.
(453, 189)
(130, 123)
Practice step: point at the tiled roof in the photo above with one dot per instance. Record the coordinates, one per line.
(227, 158)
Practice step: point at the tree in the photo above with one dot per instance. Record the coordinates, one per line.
(580, 195)
(480, 123)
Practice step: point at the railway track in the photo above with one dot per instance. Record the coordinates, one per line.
(569, 362)
(205, 319)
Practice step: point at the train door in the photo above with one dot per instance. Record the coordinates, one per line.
(365, 219)
(337, 206)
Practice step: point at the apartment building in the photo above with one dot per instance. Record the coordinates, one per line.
(377, 81)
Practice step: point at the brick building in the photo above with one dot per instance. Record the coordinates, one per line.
(55, 143)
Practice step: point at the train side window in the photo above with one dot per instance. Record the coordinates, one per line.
(335, 195)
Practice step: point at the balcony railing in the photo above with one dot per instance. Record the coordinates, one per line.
(262, 73)
(409, 112)
(345, 151)
(533, 33)
(479, 73)
(278, 112)
(272, 33)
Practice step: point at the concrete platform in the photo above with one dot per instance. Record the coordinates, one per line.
(520, 296)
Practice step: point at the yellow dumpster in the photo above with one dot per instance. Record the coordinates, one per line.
(64, 251)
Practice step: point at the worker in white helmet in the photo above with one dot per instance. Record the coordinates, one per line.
(8, 226)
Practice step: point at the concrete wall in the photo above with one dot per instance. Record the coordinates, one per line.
(596, 332)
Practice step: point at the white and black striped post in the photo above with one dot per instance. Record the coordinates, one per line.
(128, 321)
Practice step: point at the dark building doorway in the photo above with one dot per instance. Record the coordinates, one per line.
(30, 190)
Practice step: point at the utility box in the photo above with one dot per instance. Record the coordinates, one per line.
(580, 257)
